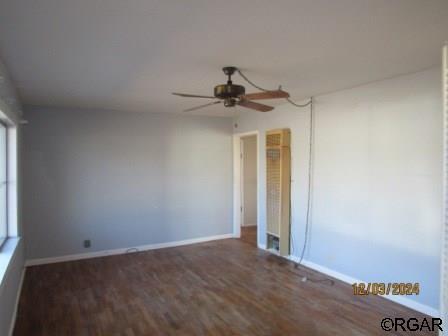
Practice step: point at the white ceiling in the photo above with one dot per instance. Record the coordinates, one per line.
(130, 55)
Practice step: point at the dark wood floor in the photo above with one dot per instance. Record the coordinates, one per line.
(225, 287)
(249, 235)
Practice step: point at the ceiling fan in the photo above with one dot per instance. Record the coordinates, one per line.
(231, 94)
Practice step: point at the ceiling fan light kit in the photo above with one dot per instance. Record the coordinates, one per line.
(232, 94)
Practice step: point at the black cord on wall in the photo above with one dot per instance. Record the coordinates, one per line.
(310, 179)
(309, 198)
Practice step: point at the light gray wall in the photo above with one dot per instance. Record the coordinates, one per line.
(376, 200)
(249, 149)
(123, 179)
(9, 102)
(9, 284)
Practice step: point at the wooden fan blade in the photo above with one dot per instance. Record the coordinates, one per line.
(255, 106)
(201, 106)
(191, 95)
(266, 95)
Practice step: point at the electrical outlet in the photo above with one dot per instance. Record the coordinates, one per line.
(87, 243)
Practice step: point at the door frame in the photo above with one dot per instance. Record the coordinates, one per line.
(237, 185)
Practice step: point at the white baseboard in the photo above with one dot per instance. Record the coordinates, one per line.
(422, 308)
(16, 303)
(72, 257)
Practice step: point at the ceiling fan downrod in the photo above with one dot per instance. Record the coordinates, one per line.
(229, 71)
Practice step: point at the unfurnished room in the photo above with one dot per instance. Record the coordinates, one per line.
(223, 167)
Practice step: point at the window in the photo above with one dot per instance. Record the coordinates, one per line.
(3, 184)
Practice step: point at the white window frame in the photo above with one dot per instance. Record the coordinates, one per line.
(5, 126)
(11, 245)
(444, 256)
(11, 179)
(13, 230)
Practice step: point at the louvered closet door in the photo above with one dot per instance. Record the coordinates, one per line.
(444, 282)
(273, 174)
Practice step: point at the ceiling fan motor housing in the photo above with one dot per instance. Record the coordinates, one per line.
(225, 91)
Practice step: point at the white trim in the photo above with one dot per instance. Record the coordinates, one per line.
(16, 304)
(71, 257)
(13, 230)
(237, 182)
(404, 301)
(262, 246)
(422, 308)
(8, 258)
(243, 209)
(8, 255)
(11, 177)
(247, 225)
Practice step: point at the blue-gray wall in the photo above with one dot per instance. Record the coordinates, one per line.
(123, 179)
(377, 180)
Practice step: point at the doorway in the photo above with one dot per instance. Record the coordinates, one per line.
(248, 188)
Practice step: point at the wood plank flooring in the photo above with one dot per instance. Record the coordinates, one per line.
(225, 287)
